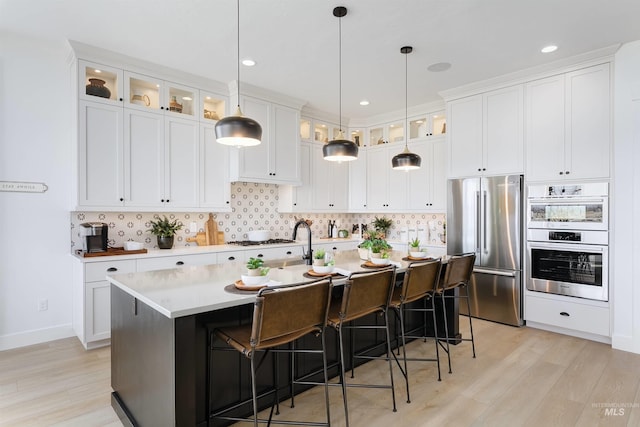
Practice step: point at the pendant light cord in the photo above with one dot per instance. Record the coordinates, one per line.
(238, 62)
(406, 100)
(340, 71)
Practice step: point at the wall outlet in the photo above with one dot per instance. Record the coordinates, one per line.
(193, 227)
(43, 305)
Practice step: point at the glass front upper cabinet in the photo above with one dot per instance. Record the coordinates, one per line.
(305, 129)
(433, 124)
(143, 92)
(180, 100)
(357, 136)
(396, 132)
(213, 107)
(438, 123)
(376, 136)
(100, 83)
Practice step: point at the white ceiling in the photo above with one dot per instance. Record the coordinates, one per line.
(295, 42)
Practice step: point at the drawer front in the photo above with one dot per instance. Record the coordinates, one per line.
(569, 315)
(231, 256)
(274, 253)
(95, 271)
(163, 263)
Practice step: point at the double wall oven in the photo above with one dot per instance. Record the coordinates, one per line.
(568, 240)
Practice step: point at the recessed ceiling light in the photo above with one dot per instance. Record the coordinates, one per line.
(364, 102)
(549, 49)
(248, 62)
(208, 97)
(439, 66)
(98, 71)
(419, 122)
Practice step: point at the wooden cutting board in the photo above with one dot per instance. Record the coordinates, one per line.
(202, 240)
(211, 230)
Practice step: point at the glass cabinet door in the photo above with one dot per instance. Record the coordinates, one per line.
(357, 136)
(143, 92)
(212, 107)
(100, 83)
(305, 129)
(418, 127)
(320, 132)
(396, 132)
(180, 100)
(439, 123)
(376, 136)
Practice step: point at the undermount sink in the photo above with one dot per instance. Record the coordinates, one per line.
(285, 262)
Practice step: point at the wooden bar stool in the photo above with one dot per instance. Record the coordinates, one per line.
(420, 283)
(364, 293)
(458, 274)
(281, 315)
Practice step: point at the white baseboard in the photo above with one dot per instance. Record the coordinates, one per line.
(571, 332)
(36, 336)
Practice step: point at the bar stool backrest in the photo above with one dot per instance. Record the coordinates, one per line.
(420, 279)
(458, 271)
(282, 314)
(366, 293)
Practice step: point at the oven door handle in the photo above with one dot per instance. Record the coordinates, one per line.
(495, 272)
(565, 201)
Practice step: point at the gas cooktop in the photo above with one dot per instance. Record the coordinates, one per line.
(263, 242)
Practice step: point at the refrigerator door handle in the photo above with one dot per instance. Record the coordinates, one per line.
(478, 220)
(495, 272)
(484, 221)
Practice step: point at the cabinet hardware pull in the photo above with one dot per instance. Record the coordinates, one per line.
(167, 200)
(180, 263)
(121, 100)
(560, 172)
(288, 252)
(564, 313)
(260, 255)
(566, 172)
(231, 258)
(112, 269)
(227, 202)
(121, 199)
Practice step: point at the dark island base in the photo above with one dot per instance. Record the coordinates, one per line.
(148, 348)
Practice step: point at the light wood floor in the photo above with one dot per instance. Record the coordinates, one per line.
(521, 377)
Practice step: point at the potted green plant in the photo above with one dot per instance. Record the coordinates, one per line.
(255, 267)
(382, 224)
(374, 243)
(415, 251)
(164, 230)
(318, 257)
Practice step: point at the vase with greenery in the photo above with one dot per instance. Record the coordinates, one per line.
(165, 231)
(374, 243)
(415, 251)
(318, 257)
(255, 267)
(382, 224)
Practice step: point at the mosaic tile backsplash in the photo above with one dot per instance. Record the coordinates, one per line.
(254, 207)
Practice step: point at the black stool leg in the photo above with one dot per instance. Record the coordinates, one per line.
(473, 344)
(446, 328)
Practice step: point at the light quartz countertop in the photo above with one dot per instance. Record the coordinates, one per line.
(191, 290)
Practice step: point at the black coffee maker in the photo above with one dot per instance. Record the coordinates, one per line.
(95, 236)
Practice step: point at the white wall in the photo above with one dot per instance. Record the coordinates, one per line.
(35, 146)
(625, 249)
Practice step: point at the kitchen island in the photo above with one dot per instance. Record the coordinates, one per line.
(163, 371)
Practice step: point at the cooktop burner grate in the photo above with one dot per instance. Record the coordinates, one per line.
(264, 242)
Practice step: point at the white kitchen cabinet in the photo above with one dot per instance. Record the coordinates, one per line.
(161, 161)
(428, 125)
(358, 182)
(569, 125)
(100, 155)
(175, 261)
(92, 300)
(568, 313)
(277, 159)
(298, 198)
(427, 186)
(148, 93)
(386, 187)
(107, 77)
(231, 256)
(486, 133)
(329, 181)
(215, 189)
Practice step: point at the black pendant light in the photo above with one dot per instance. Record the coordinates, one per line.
(406, 160)
(238, 130)
(340, 149)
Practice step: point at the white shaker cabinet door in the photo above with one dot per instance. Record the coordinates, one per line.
(465, 136)
(285, 151)
(215, 189)
(100, 155)
(545, 128)
(144, 158)
(181, 163)
(503, 131)
(252, 163)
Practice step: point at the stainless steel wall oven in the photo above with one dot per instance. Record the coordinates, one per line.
(568, 240)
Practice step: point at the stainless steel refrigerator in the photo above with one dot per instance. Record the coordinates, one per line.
(484, 215)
